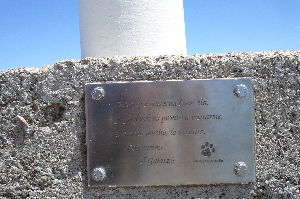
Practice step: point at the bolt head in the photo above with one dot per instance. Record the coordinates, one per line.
(99, 174)
(240, 91)
(98, 93)
(241, 169)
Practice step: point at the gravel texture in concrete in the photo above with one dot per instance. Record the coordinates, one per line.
(42, 124)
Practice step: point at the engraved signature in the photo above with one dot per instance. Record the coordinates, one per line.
(158, 160)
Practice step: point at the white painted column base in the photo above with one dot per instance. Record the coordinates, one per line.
(131, 27)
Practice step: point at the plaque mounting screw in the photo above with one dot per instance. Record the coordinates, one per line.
(98, 93)
(241, 169)
(240, 91)
(99, 174)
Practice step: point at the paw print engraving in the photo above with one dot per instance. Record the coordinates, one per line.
(208, 149)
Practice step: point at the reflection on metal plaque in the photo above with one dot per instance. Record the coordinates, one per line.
(170, 132)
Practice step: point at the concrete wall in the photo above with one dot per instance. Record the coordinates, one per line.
(42, 123)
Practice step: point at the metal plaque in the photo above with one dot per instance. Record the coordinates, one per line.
(170, 132)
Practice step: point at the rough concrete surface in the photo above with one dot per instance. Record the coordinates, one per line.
(42, 124)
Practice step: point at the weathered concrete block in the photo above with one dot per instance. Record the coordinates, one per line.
(42, 123)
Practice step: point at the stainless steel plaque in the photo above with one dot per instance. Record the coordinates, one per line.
(170, 132)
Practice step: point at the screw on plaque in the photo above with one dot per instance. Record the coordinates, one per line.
(98, 93)
(240, 91)
(99, 174)
(241, 169)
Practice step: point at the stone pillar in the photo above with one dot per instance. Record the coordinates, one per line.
(135, 27)
(43, 126)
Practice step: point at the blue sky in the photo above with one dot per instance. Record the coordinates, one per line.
(35, 33)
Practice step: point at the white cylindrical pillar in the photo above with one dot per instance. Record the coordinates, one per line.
(131, 27)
